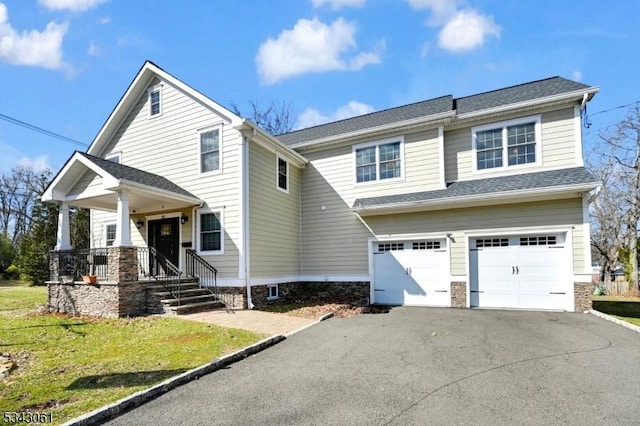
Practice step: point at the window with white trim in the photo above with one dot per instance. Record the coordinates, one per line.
(508, 144)
(210, 151)
(155, 101)
(379, 160)
(210, 233)
(272, 292)
(114, 157)
(283, 174)
(110, 234)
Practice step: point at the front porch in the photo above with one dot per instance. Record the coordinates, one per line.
(139, 262)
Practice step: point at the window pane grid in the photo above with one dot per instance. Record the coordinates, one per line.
(519, 149)
(111, 235)
(378, 162)
(210, 151)
(210, 232)
(282, 174)
(155, 102)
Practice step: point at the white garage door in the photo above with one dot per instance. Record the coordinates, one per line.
(411, 273)
(526, 272)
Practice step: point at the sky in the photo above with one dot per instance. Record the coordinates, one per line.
(64, 64)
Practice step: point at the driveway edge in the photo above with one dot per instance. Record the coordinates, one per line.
(113, 410)
(322, 318)
(615, 320)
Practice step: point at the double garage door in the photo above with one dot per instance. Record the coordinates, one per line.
(411, 273)
(521, 272)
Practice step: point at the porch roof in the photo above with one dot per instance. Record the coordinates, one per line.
(104, 179)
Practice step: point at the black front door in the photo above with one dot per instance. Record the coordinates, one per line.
(163, 236)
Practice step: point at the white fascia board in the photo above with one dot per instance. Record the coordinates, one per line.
(384, 128)
(136, 88)
(260, 136)
(54, 194)
(123, 184)
(530, 103)
(475, 199)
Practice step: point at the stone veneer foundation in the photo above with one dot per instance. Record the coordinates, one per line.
(583, 296)
(348, 292)
(458, 294)
(105, 300)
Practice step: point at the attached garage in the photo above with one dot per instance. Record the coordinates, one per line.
(521, 272)
(414, 272)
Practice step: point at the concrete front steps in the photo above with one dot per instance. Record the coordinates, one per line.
(193, 299)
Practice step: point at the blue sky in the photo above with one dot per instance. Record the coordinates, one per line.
(64, 64)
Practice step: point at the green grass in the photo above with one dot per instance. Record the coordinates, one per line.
(71, 365)
(625, 308)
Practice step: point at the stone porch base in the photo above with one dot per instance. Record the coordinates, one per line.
(294, 292)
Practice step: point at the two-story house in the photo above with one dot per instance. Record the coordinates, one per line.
(480, 201)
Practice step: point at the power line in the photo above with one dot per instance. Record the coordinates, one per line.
(41, 130)
(615, 108)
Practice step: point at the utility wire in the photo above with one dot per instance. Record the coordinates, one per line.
(41, 130)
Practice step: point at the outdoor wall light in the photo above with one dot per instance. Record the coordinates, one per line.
(139, 224)
(184, 219)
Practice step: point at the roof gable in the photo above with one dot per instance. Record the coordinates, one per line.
(149, 73)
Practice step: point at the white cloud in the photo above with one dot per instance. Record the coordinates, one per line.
(104, 20)
(33, 48)
(441, 10)
(467, 30)
(576, 75)
(72, 5)
(312, 46)
(338, 4)
(38, 163)
(312, 117)
(93, 50)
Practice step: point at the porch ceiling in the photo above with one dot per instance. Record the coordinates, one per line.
(92, 182)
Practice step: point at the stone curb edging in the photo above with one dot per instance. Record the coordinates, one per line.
(322, 318)
(113, 410)
(615, 320)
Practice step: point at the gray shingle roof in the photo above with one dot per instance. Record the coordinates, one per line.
(374, 119)
(538, 180)
(505, 96)
(515, 94)
(120, 171)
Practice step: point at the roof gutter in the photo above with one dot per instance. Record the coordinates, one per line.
(257, 131)
(584, 93)
(383, 128)
(450, 201)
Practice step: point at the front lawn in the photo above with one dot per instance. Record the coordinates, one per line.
(71, 365)
(625, 308)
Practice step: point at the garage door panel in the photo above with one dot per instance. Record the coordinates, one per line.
(519, 272)
(407, 276)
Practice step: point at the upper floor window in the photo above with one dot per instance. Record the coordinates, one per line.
(507, 144)
(379, 160)
(210, 151)
(114, 157)
(155, 101)
(210, 231)
(283, 175)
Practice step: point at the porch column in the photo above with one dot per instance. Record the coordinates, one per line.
(63, 240)
(123, 231)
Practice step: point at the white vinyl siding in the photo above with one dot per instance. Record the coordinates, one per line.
(274, 217)
(169, 146)
(334, 240)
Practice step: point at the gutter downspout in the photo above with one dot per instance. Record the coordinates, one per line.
(244, 214)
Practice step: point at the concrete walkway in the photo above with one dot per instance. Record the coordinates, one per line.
(260, 322)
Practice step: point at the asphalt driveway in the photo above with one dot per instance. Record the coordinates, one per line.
(423, 366)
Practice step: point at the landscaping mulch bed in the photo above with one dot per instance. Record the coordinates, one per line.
(318, 309)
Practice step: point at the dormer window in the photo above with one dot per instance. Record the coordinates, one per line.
(508, 144)
(155, 101)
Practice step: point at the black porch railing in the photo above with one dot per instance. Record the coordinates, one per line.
(78, 262)
(207, 274)
(152, 263)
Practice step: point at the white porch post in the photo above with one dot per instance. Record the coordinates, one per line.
(123, 231)
(63, 241)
